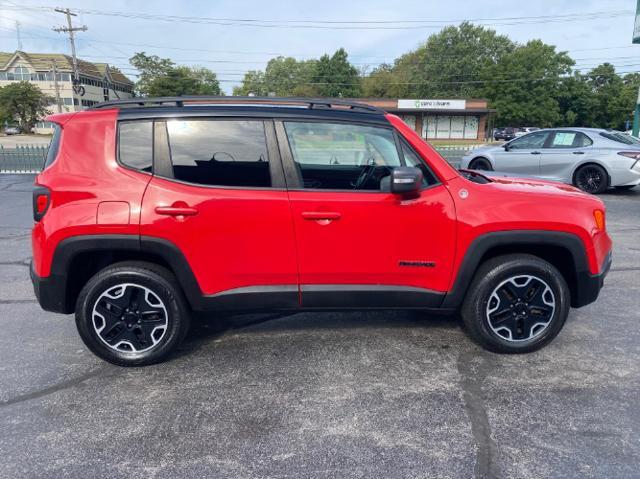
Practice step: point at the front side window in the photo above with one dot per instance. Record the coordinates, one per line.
(530, 141)
(219, 152)
(340, 156)
(411, 159)
(135, 144)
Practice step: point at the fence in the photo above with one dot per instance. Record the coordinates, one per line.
(23, 158)
(30, 158)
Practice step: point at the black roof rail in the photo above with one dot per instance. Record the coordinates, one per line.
(180, 101)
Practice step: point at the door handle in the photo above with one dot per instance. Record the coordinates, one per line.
(578, 152)
(320, 215)
(535, 152)
(176, 210)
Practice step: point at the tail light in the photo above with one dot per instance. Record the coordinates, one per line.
(41, 201)
(635, 155)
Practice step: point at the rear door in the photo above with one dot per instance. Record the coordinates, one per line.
(564, 149)
(521, 155)
(218, 196)
(358, 244)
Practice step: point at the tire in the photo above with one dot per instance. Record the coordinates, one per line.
(625, 187)
(156, 321)
(591, 178)
(480, 163)
(497, 322)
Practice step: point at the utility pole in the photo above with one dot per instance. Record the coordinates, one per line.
(18, 35)
(56, 86)
(70, 29)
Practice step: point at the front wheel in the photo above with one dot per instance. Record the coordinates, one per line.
(516, 304)
(132, 314)
(480, 164)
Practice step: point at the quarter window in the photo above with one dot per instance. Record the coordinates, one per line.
(342, 157)
(136, 144)
(222, 153)
(411, 159)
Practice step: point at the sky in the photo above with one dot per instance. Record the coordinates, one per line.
(231, 37)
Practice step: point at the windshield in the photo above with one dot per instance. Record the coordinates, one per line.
(620, 137)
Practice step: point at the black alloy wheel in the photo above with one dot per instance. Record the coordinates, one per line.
(591, 179)
(480, 164)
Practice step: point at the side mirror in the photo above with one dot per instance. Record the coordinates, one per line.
(405, 179)
(506, 147)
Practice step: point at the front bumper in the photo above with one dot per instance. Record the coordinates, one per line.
(50, 292)
(589, 285)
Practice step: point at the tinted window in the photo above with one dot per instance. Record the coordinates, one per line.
(570, 139)
(342, 157)
(54, 146)
(136, 144)
(411, 158)
(532, 140)
(222, 153)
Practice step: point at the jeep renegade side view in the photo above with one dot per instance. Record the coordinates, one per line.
(148, 209)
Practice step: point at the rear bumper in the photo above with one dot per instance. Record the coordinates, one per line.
(589, 285)
(50, 292)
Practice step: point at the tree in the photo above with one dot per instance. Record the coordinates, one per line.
(23, 102)
(283, 76)
(448, 64)
(334, 76)
(606, 87)
(524, 86)
(161, 77)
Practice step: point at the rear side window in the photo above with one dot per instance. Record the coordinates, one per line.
(570, 139)
(135, 144)
(54, 146)
(219, 152)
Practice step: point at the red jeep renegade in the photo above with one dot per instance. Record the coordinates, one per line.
(148, 209)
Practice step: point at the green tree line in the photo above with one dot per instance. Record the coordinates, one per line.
(528, 84)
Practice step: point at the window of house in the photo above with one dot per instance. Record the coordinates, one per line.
(219, 152)
(340, 156)
(135, 144)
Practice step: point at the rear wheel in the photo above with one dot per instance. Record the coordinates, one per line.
(480, 164)
(591, 179)
(132, 314)
(516, 304)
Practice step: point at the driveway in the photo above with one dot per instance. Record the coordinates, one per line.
(377, 394)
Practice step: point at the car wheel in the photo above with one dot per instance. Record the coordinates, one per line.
(591, 179)
(132, 314)
(480, 164)
(516, 304)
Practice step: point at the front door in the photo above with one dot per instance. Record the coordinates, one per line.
(522, 155)
(358, 244)
(218, 196)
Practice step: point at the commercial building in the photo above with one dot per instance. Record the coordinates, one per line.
(98, 81)
(436, 119)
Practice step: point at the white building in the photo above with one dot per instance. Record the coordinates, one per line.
(100, 82)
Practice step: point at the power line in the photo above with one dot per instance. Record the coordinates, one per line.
(402, 24)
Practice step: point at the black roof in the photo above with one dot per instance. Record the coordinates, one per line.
(258, 107)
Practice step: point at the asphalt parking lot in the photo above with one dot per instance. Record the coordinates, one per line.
(382, 394)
